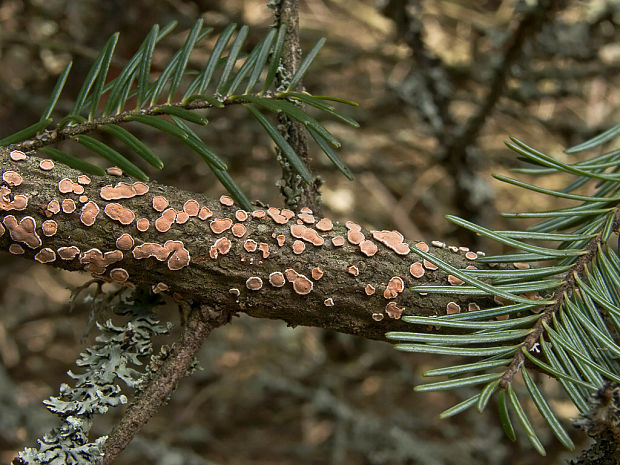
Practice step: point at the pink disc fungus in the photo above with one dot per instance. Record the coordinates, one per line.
(227, 200)
(395, 286)
(393, 240)
(219, 225)
(77, 188)
(258, 214)
(83, 179)
(222, 245)
(241, 215)
(24, 231)
(65, 186)
(417, 270)
(164, 222)
(264, 248)
(288, 214)
(160, 287)
(329, 302)
(68, 206)
(160, 203)
(324, 224)
(204, 213)
(124, 242)
(473, 307)
(463, 249)
(234, 291)
(122, 190)
(368, 248)
(429, 265)
(89, 213)
(423, 246)
(140, 188)
(250, 245)
(280, 238)
(378, 316)
(275, 215)
(351, 226)
(298, 247)
(180, 255)
(151, 249)
(238, 230)
(142, 224)
(306, 218)
(114, 171)
(302, 285)
(83, 199)
(369, 289)
(117, 212)
(453, 308)
(521, 266)
(68, 253)
(182, 217)
(338, 241)
(393, 310)
(306, 210)
(453, 248)
(49, 227)
(17, 155)
(45, 255)
(254, 283)
(454, 280)
(471, 255)
(353, 270)
(191, 207)
(276, 279)
(46, 165)
(16, 249)
(53, 207)
(300, 231)
(119, 275)
(96, 262)
(355, 237)
(20, 202)
(12, 178)
(439, 244)
(317, 273)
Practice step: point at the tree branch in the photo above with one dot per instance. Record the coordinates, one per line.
(221, 282)
(164, 379)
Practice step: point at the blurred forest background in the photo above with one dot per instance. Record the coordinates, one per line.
(272, 395)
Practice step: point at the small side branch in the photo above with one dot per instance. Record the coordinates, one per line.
(164, 380)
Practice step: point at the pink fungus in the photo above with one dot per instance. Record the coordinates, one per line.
(369, 289)
(222, 245)
(204, 213)
(219, 225)
(454, 280)
(65, 186)
(473, 307)
(423, 246)
(395, 286)
(46, 165)
(180, 257)
(378, 316)
(300, 231)
(429, 266)
(417, 270)
(191, 207)
(241, 215)
(392, 240)
(68, 206)
(160, 203)
(17, 155)
(96, 262)
(521, 266)
(83, 179)
(258, 214)
(89, 213)
(439, 244)
(393, 310)
(368, 248)
(290, 274)
(338, 241)
(114, 171)
(16, 249)
(140, 188)
(182, 217)
(453, 308)
(250, 246)
(83, 199)
(120, 275)
(264, 248)
(298, 247)
(280, 238)
(227, 200)
(329, 302)
(288, 214)
(122, 190)
(355, 237)
(49, 227)
(12, 178)
(306, 218)
(238, 230)
(353, 270)
(471, 255)
(45, 255)
(78, 189)
(317, 273)
(164, 222)
(142, 224)
(276, 279)
(254, 283)
(117, 212)
(324, 224)
(302, 285)
(463, 249)
(53, 207)
(160, 287)
(151, 249)
(68, 253)
(275, 215)
(20, 202)
(24, 231)
(124, 242)
(351, 226)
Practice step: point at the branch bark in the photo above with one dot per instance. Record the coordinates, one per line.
(218, 282)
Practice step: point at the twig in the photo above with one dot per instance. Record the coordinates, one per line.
(164, 380)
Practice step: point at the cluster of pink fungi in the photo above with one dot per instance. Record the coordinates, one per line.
(304, 229)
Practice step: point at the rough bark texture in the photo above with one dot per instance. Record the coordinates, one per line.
(217, 281)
